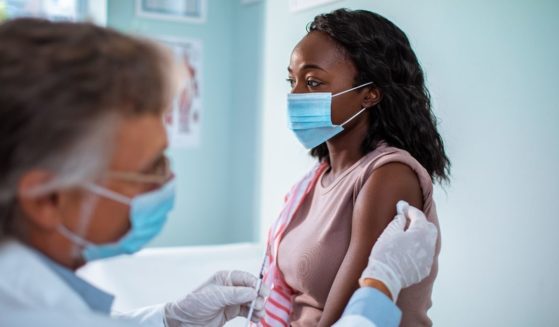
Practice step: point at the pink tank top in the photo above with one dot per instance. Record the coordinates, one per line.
(317, 239)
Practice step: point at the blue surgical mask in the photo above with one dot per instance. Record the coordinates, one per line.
(310, 116)
(148, 214)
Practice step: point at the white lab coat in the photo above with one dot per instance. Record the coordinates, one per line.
(31, 294)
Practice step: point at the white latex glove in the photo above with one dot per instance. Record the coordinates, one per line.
(401, 258)
(226, 295)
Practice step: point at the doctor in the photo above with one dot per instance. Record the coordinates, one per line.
(83, 176)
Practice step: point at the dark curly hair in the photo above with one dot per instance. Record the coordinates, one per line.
(382, 53)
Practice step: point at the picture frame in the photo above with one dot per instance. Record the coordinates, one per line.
(58, 10)
(184, 121)
(189, 11)
(300, 5)
(249, 2)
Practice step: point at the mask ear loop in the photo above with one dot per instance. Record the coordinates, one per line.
(77, 240)
(109, 194)
(353, 88)
(360, 111)
(353, 117)
(86, 211)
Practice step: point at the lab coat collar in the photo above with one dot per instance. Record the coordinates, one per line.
(27, 283)
(96, 299)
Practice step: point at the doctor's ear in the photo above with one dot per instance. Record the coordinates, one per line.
(39, 209)
(372, 97)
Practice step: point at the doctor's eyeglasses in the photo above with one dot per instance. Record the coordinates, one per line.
(158, 174)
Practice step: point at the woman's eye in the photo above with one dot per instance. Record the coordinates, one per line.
(291, 81)
(313, 83)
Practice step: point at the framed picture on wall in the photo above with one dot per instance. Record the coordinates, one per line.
(299, 5)
(57, 10)
(192, 11)
(184, 120)
(60, 10)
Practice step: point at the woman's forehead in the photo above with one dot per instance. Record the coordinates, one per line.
(318, 49)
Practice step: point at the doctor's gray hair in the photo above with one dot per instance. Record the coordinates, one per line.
(63, 87)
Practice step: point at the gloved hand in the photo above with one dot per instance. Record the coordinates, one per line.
(226, 295)
(401, 258)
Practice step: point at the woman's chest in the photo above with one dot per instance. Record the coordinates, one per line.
(315, 243)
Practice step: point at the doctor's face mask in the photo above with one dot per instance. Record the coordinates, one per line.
(147, 214)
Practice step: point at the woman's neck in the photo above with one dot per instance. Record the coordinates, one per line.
(344, 150)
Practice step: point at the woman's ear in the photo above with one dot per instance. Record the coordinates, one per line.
(40, 210)
(372, 97)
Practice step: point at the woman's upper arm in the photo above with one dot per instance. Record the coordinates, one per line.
(374, 208)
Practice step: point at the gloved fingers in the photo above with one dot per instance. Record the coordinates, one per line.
(398, 224)
(258, 304)
(418, 220)
(420, 271)
(256, 314)
(244, 311)
(264, 291)
(258, 307)
(415, 215)
(402, 207)
(236, 295)
(218, 278)
(241, 278)
(432, 232)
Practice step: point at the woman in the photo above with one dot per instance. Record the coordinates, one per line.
(359, 102)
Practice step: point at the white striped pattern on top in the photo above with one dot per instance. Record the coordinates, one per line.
(278, 306)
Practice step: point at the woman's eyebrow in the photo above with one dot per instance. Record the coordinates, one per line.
(307, 66)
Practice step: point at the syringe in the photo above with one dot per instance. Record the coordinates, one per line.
(258, 287)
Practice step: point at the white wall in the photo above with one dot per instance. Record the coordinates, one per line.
(492, 69)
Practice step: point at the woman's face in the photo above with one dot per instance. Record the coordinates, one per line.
(319, 65)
